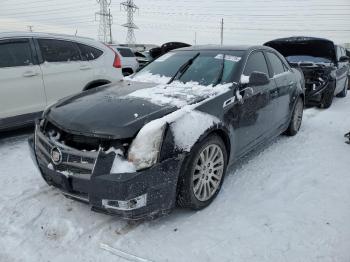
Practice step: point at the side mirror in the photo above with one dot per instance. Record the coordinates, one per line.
(343, 59)
(258, 79)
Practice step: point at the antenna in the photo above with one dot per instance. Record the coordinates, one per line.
(105, 27)
(130, 8)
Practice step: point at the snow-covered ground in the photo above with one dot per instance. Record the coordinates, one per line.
(288, 202)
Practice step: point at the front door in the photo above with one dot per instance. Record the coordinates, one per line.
(253, 121)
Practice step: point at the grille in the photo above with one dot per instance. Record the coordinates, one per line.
(73, 160)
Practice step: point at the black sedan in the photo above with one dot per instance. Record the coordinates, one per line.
(324, 64)
(166, 135)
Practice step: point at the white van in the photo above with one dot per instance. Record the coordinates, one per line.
(37, 69)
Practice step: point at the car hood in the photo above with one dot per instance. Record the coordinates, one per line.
(120, 110)
(107, 111)
(304, 46)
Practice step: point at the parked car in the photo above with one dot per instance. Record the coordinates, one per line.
(38, 69)
(324, 64)
(347, 136)
(165, 48)
(137, 148)
(143, 58)
(128, 59)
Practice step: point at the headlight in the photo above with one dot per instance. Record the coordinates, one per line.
(145, 149)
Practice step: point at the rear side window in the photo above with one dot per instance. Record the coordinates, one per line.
(58, 50)
(125, 52)
(15, 53)
(89, 53)
(276, 63)
(256, 62)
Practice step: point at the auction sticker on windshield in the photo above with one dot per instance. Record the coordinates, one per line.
(229, 57)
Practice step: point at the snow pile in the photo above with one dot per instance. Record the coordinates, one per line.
(187, 125)
(179, 94)
(120, 164)
(188, 129)
(148, 77)
(145, 148)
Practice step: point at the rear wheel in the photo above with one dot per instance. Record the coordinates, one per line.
(297, 118)
(203, 173)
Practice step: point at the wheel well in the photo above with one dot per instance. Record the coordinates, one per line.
(225, 138)
(96, 83)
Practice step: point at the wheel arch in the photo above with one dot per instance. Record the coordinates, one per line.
(96, 83)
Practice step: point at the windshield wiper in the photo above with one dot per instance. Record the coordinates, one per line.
(221, 73)
(183, 68)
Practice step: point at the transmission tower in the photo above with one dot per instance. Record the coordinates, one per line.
(105, 27)
(130, 8)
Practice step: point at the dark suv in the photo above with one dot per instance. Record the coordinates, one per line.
(167, 135)
(324, 64)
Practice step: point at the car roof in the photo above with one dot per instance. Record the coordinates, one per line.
(84, 40)
(224, 48)
(39, 34)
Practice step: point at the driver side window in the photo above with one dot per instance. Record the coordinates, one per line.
(256, 62)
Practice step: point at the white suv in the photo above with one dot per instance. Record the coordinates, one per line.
(129, 60)
(37, 69)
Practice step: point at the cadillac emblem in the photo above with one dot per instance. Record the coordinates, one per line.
(56, 156)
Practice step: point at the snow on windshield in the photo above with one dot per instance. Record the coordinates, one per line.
(148, 77)
(179, 94)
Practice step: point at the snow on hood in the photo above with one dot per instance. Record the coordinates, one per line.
(179, 94)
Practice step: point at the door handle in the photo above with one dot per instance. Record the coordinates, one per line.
(85, 67)
(30, 74)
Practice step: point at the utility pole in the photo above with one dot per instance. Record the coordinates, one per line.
(222, 31)
(110, 26)
(30, 28)
(105, 18)
(130, 8)
(195, 38)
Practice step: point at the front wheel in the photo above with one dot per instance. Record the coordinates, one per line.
(296, 119)
(202, 173)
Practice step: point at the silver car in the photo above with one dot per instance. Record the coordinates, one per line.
(128, 59)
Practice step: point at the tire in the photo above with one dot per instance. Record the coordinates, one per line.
(343, 93)
(198, 184)
(296, 119)
(327, 98)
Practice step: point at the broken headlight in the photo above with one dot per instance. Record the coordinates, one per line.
(145, 149)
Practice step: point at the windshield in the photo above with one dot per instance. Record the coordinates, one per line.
(206, 69)
(306, 58)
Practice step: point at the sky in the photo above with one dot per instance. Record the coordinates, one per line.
(160, 21)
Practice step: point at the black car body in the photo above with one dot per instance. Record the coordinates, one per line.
(77, 141)
(325, 66)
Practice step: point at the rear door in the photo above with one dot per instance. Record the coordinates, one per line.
(21, 83)
(342, 70)
(281, 95)
(255, 112)
(64, 71)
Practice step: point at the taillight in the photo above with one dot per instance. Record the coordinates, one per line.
(117, 62)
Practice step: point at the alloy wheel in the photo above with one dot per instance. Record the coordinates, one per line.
(208, 172)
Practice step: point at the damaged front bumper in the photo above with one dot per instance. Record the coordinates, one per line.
(144, 194)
